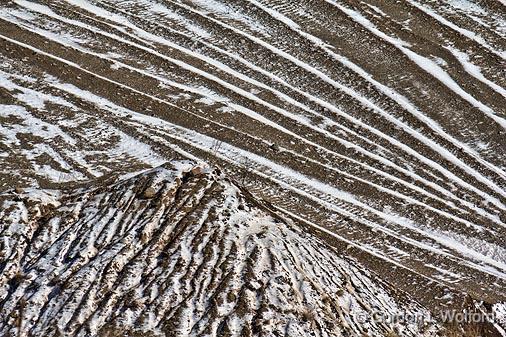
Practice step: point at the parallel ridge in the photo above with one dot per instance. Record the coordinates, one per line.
(380, 122)
(175, 252)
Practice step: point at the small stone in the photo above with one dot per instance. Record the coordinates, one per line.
(197, 170)
(149, 193)
(274, 147)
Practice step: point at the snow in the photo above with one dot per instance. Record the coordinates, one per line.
(425, 63)
(116, 227)
(468, 6)
(467, 33)
(475, 70)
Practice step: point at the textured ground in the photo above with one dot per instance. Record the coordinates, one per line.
(173, 253)
(378, 125)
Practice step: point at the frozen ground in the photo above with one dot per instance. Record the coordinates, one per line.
(380, 126)
(176, 253)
